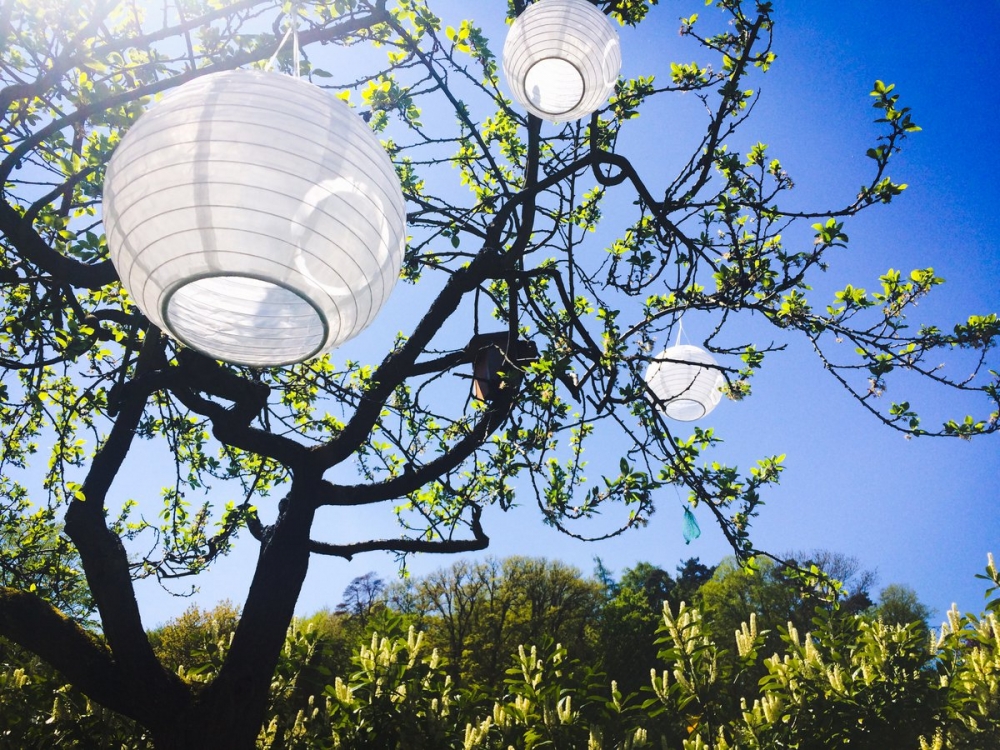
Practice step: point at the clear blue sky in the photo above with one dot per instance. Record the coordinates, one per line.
(922, 512)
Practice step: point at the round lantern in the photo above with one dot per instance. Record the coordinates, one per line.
(561, 59)
(255, 218)
(685, 382)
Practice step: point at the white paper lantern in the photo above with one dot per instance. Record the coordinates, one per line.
(255, 218)
(686, 387)
(561, 59)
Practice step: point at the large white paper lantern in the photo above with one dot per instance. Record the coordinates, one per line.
(561, 59)
(255, 218)
(685, 382)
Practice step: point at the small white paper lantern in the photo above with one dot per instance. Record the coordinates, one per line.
(255, 218)
(561, 59)
(686, 387)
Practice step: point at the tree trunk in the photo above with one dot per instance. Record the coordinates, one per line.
(229, 712)
(216, 727)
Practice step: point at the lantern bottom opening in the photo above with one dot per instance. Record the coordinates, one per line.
(245, 320)
(684, 409)
(554, 86)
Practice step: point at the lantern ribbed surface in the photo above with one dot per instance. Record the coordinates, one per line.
(561, 59)
(686, 387)
(254, 217)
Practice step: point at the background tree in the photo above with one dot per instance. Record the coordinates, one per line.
(627, 628)
(478, 614)
(651, 581)
(691, 576)
(898, 604)
(852, 679)
(634, 610)
(858, 582)
(765, 589)
(363, 597)
(197, 638)
(552, 233)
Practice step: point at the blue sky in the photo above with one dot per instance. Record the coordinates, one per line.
(922, 512)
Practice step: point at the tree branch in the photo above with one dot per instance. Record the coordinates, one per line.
(31, 246)
(479, 542)
(79, 655)
(197, 373)
(490, 262)
(59, 68)
(411, 481)
(106, 563)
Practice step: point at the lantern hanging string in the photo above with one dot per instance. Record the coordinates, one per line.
(295, 39)
(293, 32)
(680, 330)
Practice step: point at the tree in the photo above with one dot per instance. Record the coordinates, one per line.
(626, 628)
(628, 621)
(852, 680)
(650, 580)
(846, 570)
(478, 614)
(36, 556)
(551, 232)
(197, 638)
(363, 597)
(691, 576)
(765, 589)
(630, 617)
(898, 605)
